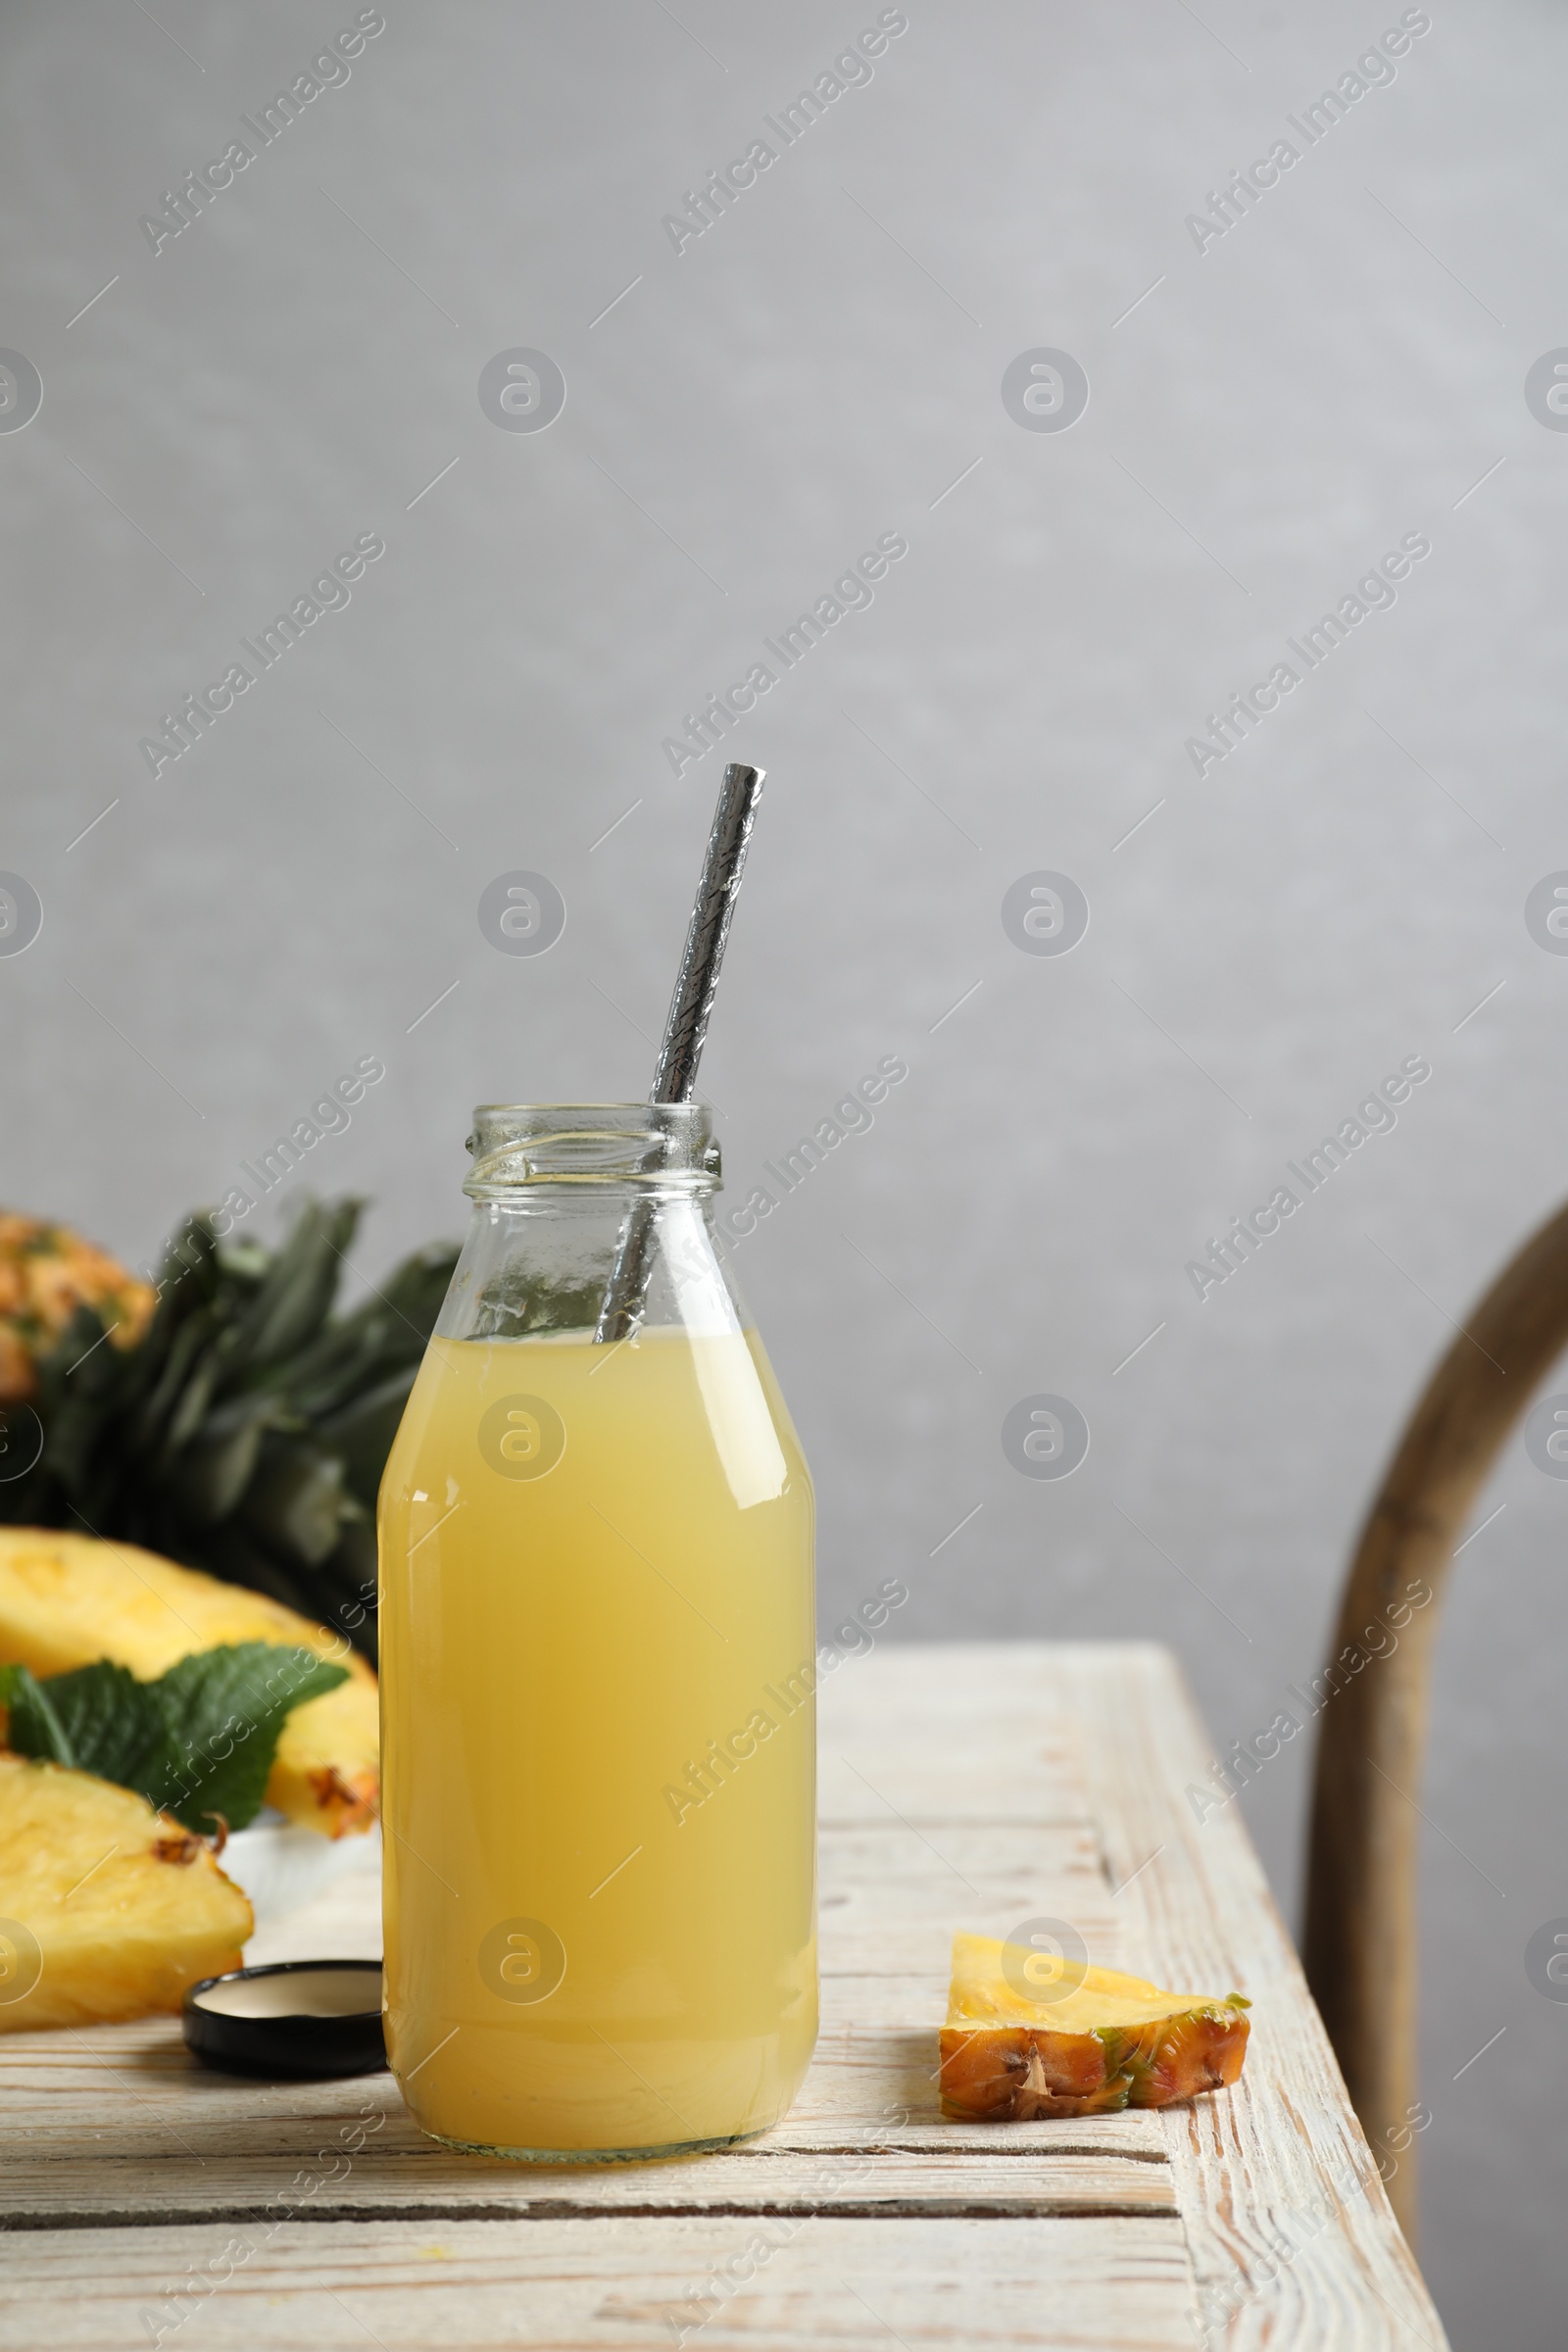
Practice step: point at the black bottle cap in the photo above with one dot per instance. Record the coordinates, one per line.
(300, 2017)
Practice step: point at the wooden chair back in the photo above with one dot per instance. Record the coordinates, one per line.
(1361, 1945)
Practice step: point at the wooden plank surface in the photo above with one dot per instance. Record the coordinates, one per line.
(628, 2282)
(974, 1786)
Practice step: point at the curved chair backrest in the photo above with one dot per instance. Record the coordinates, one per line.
(1361, 1946)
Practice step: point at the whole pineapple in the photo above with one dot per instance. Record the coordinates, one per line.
(46, 1272)
(240, 1426)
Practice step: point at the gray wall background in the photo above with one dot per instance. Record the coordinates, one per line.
(296, 892)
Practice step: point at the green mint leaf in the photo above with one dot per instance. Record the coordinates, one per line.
(230, 1706)
(34, 1729)
(198, 1741)
(97, 1719)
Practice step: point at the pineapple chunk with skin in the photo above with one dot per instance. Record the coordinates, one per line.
(123, 1907)
(67, 1600)
(1108, 2041)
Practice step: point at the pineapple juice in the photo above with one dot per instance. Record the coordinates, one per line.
(599, 1740)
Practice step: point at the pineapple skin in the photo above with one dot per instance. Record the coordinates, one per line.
(1099, 2043)
(67, 1600)
(128, 1910)
(1017, 2074)
(46, 1272)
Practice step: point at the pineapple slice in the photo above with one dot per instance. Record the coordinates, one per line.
(113, 1909)
(1108, 2042)
(65, 1601)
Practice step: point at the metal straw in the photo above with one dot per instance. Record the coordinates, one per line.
(676, 1074)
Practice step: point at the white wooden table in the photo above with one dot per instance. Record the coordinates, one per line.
(976, 1786)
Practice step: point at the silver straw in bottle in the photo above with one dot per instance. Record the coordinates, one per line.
(676, 1074)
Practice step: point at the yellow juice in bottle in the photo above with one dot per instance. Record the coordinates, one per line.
(599, 1744)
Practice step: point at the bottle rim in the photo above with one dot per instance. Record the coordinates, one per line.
(644, 1146)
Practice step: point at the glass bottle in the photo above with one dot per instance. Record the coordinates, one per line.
(597, 1630)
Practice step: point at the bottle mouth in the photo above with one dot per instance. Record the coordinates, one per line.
(648, 1147)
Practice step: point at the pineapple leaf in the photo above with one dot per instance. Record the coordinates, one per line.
(296, 1498)
(296, 1295)
(174, 1374)
(362, 1433)
(213, 1472)
(385, 1333)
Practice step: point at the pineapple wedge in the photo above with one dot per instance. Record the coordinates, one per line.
(113, 1909)
(67, 1600)
(1108, 2042)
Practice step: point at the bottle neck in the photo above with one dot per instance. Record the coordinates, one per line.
(565, 1197)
